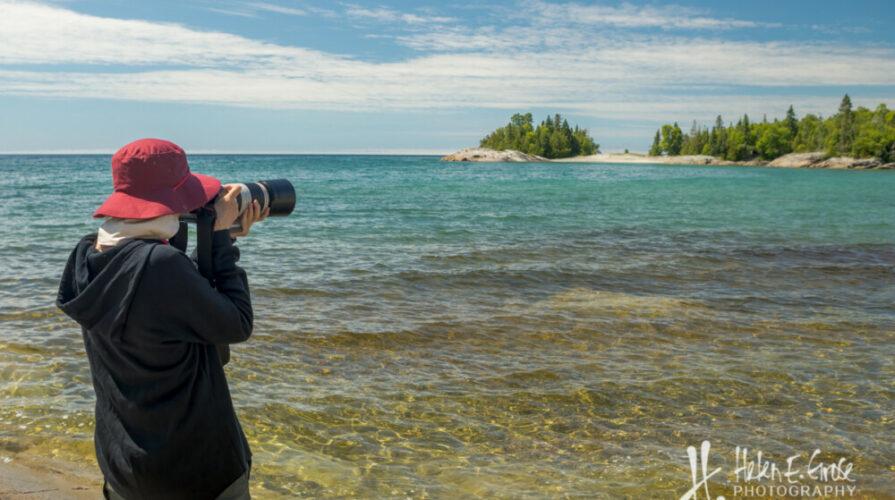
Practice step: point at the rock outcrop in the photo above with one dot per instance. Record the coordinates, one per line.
(689, 160)
(797, 160)
(817, 160)
(845, 162)
(486, 154)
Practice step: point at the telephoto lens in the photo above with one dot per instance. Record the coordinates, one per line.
(278, 194)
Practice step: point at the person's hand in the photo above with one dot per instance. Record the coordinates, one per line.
(226, 208)
(251, 215)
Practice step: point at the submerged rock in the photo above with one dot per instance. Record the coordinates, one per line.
(486, 154)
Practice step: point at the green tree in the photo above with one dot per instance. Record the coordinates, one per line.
(873, 138)
(810, 134)
(774, 141)
(790, 121)
(741, 147)
(857, 132)
(845, 125)
(672, 139)
(666, 138)
(560, 146)
(719, 138)
(521, 121)
(585, 144)
(736, 145)
(677, 140)
(543, 133)
(747, 130)
(656, 148)
(692, 141)
(553, 138)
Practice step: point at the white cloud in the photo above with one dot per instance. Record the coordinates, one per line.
(627, 16)
(231, 12)
(41, 34)
(541, 24)
(839, 30)
(625, 76)
(389, 16)
(269, 7)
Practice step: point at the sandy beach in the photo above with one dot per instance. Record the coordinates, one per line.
(639, 158)
(481, 154)
(24, 478)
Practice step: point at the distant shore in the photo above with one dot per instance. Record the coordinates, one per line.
(793, 160)
(640, 158)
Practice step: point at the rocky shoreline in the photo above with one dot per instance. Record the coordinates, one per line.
(487, 154)
(793, 160)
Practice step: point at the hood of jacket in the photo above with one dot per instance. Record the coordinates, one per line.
(97, 288)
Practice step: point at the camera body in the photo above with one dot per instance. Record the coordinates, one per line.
(276, 194)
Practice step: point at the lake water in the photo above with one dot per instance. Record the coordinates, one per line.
(456, 330)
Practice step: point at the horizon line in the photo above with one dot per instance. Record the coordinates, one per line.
(102, 152)
(409, 152)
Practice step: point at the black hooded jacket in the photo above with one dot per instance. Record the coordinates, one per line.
(165, 424)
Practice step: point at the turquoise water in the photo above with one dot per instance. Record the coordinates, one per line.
(476, 330)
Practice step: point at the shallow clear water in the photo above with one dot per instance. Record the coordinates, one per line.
(445, 330)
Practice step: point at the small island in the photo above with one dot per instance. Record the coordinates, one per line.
(519, 140)
(851, 139)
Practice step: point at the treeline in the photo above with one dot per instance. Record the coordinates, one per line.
(552, 139)
(859, 133)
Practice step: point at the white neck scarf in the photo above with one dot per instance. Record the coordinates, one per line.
(115, 230)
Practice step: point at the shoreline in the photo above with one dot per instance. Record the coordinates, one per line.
(815, 160)
(642, 159)
(45, 479)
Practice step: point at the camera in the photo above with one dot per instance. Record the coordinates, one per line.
(278, 194)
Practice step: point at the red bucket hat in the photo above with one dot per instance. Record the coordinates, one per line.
(152, 178)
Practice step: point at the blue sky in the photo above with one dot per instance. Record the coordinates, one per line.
(419, 77)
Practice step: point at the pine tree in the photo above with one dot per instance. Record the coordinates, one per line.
(656, 149)
(750, 138)
(696, 138)
(791, 123)
(858, 132)
(846, 126)
(665, 143)
(676, 141)
(553, 138)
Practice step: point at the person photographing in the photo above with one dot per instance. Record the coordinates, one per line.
(155, 328)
